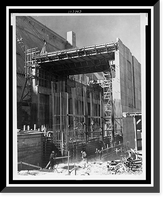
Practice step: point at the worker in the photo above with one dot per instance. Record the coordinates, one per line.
(52, 156)
(43, 51)
(100, 153)
(84, 158)
(97, 153)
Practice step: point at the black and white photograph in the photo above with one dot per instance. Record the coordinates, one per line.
(80, 93)
(79, 103)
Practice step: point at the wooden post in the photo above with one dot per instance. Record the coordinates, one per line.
(116, 150)
(74, 168)
(38, 110)
(68, 162)
(34, 126)
(101, 116)
(91, 112)
(53, 109)
(62, 143)
(73, 106)
(60, 111)
(21, 165)
(67, 138)
(84, 108)
(50, 110)
(134, 122)
(85, 113)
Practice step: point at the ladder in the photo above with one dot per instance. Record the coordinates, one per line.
(108, 101)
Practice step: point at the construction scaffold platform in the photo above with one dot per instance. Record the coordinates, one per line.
(91, 59)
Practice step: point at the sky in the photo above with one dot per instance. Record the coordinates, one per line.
(98, 29)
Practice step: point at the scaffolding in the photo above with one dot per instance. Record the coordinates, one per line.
(30, 73)
(66, 123)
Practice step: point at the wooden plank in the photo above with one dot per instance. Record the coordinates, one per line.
(62, 157)
(47, 165)
(30, 165)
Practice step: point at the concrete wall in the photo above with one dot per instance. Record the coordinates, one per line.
(116, 89)
(30, 148)
(90, 148)
(30, 34)
(130, 90)
(137, 83)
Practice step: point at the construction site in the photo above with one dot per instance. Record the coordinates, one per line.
(72, 100)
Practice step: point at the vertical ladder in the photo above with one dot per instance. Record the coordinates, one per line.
(107, 92)
(108, 101)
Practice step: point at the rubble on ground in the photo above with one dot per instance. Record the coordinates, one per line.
(130, 165)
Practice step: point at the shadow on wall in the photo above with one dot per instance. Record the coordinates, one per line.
(23, 117)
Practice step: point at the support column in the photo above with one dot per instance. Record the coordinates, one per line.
(73, 107)
(38, 110)
(85, 114)
(34, 95)
(134, 122)
(67, 130)
(91, 113)
(101, 116)
(50, 111)
(84, 109)
(53, 110)
(61, 122)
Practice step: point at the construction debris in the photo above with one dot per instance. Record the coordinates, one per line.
(127, 165)
(131, 164)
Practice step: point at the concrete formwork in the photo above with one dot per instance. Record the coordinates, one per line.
(129, 89)
(29, 34)
(125, 86)
(30, 148)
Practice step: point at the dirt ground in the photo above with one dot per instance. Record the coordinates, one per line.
(108, 165)
(79, 169)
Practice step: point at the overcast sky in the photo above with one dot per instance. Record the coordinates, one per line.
(97, 29)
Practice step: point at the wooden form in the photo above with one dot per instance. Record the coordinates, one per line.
(76, 61)
(72, 123)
